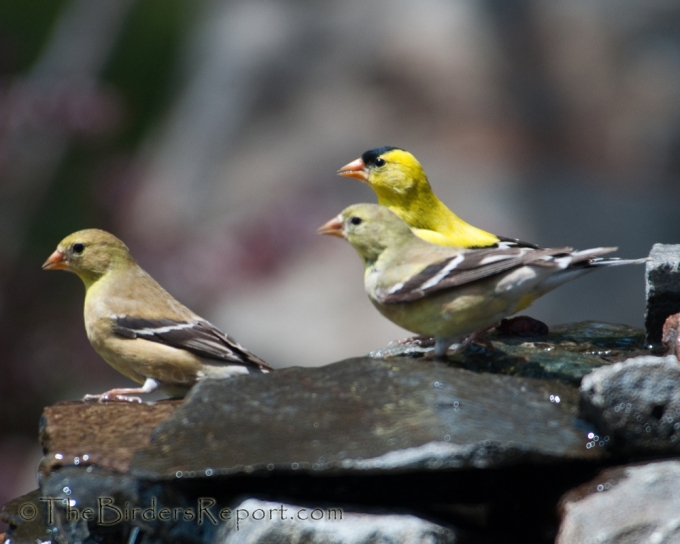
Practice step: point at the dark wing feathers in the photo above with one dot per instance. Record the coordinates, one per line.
(200, 338)
(465, 268)
(514, 242)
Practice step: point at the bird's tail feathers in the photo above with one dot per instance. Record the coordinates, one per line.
(615, 261)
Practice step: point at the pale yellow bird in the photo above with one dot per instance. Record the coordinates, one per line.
(451, 293)
(139, 328)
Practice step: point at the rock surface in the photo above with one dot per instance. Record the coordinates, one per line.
(261, 522)
(25, 514)
(479, 449)
(670, 337)
(567, 353)
(636, 404)
(363, 415)
(663, 288)
(102, 434)
(630, 504)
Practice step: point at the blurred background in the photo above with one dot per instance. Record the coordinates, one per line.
(206, 134)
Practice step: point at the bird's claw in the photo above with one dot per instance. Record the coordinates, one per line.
(104, 397)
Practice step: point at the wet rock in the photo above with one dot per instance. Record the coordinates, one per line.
(636, 404)
(477, 443)
(627, 504)
(524, 326)
(261, 522)
(26, 519)
(89, 504)
(362, 416)
(671, 336)
(663, 288)
(102, 434)
(567, 353)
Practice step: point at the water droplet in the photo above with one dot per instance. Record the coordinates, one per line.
(67, 490)
(58, 456)
(76, 461)
(209, 472)
(86, 457)
(178, 474)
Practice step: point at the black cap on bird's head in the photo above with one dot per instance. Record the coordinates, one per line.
(372, 155)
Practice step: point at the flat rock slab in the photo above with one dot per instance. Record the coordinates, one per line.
(102, 434)
(627, 504)
(567, 353)
(262, 522)
(366, 416)
(636, 404)
(663, 288)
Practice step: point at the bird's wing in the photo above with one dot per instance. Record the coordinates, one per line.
(505, 243)
(470, 266)
(198, 337)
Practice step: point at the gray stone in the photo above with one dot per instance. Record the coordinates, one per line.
(365, 416)
(261, 522)
(663, 288)
(68, 492)
(26, 517)
(625, 505)
(567, 353)
(635, 404)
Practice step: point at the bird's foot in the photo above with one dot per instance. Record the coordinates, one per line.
(441, 353)
(116, 395)
(474, 338)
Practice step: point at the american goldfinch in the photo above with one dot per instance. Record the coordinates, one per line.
(449, 293)
(139, 328)
(401, 185)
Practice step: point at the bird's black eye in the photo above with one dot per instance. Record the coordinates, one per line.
(356, 220)
(78, 248)
(380, 162)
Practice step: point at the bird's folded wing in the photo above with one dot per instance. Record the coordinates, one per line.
(505, 243)
(198, 337)
(467, 267)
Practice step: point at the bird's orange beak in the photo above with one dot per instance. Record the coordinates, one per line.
(332, 228)
(355, 169)
(55, 262)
